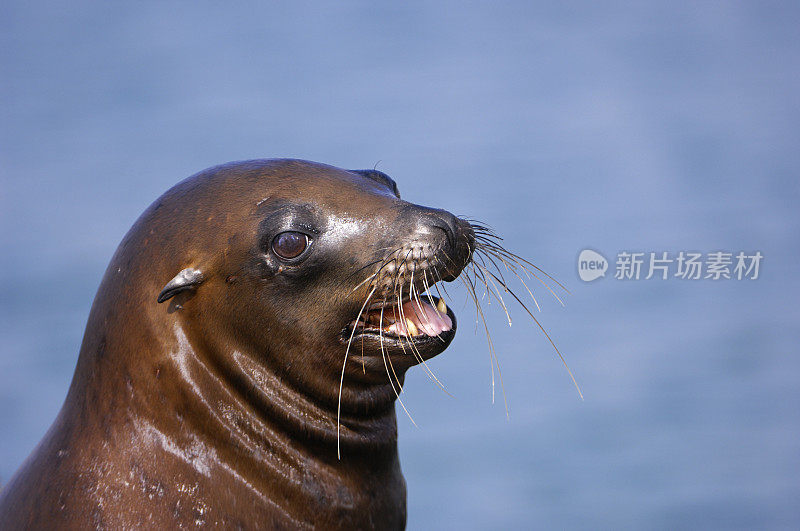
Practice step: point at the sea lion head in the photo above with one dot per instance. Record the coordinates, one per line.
(298, 266)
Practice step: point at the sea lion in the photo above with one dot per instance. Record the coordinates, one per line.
(243, 356)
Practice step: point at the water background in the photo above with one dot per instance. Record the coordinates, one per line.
(633, 126)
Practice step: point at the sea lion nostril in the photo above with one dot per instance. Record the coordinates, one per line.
(429, 221)
(460, 244)
(451, 225)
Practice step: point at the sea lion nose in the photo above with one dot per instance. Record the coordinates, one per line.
(455, 250)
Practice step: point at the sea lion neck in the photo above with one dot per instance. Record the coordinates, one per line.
(252, 392)
(182, 405)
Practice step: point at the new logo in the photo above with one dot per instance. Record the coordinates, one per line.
(591, 265)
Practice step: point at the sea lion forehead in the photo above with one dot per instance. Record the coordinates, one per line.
(329, 180)
(317, 170)
(349, 192)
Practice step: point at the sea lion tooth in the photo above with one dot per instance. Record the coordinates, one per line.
(441, 306)
(411, 327)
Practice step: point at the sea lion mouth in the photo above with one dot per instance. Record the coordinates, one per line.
(417, 320)
(398, 310)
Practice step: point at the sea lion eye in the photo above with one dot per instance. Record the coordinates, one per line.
(290, 244)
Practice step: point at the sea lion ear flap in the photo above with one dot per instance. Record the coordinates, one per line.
(189, 278)
(382, 178)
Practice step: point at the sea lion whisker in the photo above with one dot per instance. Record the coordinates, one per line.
(508, 259)
(447, 268)
(480, 254)
(513, 270)
(476, 223)
(379, 249)
(402, 338)
(419, 305)
(502, 252)
(369, 278)
(471, 250)
(363, 366)
(399, 308)
(411, 343)
(416, 351)
(412, 292)
(401, 321)
(487, 256)
(363, 268)
(341, 379)
(386, 262)
(438, 279)
(427, 289)
(383, 354)
(475, 279)
(380, 333)
(475, 271)
(487, 236)
(569, 371)
(518, 258)
(526, 288)
(415, 298)
(487, 295)
(440, 282)
(472, 294)
(492, 353)
(406, 340)
(477, 266)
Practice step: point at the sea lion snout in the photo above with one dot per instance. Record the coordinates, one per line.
(460, 242)
(444, 238)
(401, 317)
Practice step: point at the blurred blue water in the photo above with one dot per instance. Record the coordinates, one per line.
(644, 126)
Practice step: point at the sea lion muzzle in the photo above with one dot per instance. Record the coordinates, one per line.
(402, 311)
